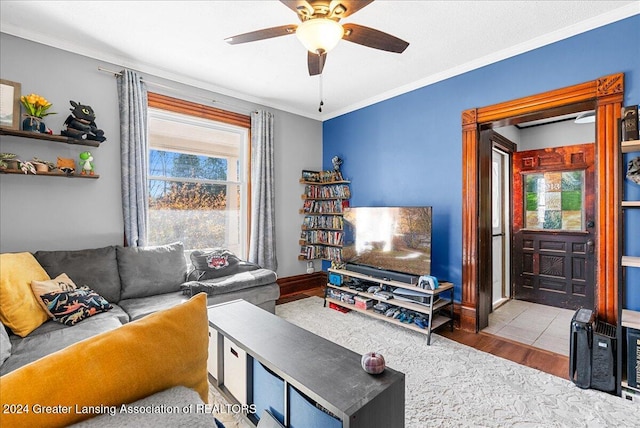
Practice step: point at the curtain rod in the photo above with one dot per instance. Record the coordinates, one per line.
(159, 85)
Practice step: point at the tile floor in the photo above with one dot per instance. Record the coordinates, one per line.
(540, 326)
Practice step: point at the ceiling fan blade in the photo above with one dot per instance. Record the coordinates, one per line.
(373, 38)
(266, 33)
(316, 63)
(300, 7)
(349, 7)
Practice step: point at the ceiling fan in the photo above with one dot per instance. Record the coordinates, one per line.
(320, 30)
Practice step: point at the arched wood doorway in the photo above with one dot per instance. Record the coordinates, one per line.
(605, 95)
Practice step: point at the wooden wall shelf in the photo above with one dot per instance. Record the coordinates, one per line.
(630, 261)
(630, 146)
(324, 183)
(48, 174)
(631, 319)
(48, 137)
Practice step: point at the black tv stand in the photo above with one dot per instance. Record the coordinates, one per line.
(382, 274)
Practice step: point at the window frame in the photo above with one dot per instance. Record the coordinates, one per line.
(164, 103)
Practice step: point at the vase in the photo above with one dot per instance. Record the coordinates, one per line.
(41, 167)
(33, 124)
(12, 164)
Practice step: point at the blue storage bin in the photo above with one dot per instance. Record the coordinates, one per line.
(304, 414)
(268, 392)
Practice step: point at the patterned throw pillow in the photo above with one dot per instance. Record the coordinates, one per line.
(61, 282)
(71, 307)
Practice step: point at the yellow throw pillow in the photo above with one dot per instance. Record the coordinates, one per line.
(19, 308)
(61, 282)
(162, 350)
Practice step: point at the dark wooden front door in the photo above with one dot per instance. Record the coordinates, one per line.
(554, 211)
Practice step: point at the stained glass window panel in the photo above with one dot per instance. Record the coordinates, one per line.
(554, 200)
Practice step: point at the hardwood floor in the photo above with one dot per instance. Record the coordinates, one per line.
(546, 361)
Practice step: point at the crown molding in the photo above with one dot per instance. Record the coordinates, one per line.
(147, 69)
(547, 39)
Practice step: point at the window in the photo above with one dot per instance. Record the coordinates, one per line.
(198, 187)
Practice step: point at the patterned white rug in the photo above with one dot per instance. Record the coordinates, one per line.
(453, 385)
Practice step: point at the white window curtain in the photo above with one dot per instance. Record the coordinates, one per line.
(134, 146)
(262, 242)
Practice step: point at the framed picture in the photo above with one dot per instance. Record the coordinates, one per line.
(10, 104)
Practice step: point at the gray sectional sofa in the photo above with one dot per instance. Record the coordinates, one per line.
(137, 282)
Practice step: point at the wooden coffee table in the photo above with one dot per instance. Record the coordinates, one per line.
(329, 375)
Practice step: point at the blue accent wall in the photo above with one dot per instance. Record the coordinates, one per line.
(408, 150)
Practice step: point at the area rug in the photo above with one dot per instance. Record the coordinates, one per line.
(452, 385)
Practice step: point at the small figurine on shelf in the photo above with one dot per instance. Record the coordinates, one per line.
(66, 165)
(337, 265)
(633, 170)
(81, 124)
(86, 163)
(336, 161)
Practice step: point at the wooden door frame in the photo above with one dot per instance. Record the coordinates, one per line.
(605, 95)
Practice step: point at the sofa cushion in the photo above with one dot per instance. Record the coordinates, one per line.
(71, 307)
(96, 268)
(264, 296)
(143, 306)
(19, 308)
(231, 283)
(34, 347)
(5, 345)
(147, 271)
(157, 352)
(51, 325)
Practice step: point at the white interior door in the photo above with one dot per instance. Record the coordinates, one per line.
(500, 194)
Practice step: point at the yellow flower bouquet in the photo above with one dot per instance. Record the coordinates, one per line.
(37, 107)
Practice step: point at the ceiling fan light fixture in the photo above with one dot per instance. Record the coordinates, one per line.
(319, 34)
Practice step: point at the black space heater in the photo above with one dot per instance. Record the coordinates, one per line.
(592, 359)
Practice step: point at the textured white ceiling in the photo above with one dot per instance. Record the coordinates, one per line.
(183, 41)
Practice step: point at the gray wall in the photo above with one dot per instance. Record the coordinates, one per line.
(60, 213)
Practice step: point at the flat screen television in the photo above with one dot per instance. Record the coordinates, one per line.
(395, 239)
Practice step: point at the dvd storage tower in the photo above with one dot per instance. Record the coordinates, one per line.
(325, 196)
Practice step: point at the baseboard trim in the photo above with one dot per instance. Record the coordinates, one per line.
(468, 319)
(299, 283)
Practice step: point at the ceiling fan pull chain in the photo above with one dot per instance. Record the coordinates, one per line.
(321, 101)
